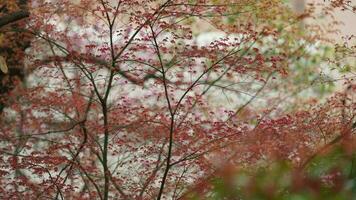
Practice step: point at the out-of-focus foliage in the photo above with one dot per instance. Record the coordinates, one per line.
(308, 155)
(331, 176)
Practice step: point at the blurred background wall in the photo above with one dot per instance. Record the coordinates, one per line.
(348, 18)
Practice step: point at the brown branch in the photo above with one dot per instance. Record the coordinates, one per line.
(13, 17)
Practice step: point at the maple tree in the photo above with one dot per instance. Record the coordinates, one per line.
(127, 100)
(322, 162)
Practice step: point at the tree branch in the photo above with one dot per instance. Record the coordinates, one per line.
(13, 17)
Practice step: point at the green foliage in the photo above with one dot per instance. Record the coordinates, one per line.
(327, 177)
